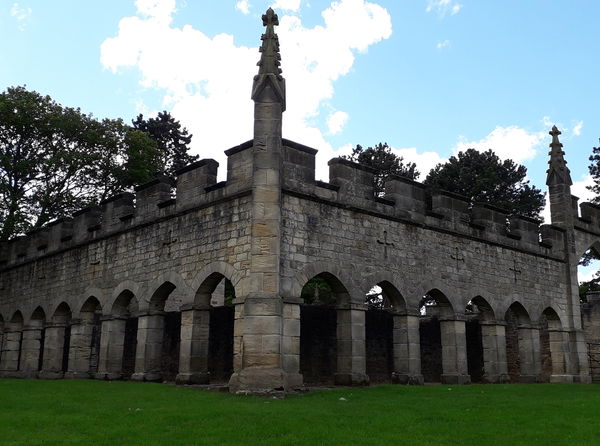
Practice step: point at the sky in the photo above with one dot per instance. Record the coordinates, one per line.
(429, 77)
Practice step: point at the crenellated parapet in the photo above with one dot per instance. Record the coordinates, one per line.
(195, 186)
(409, 202)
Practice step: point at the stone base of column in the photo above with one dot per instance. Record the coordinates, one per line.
(412, 380)
(192, 378)
(351, 379)
(46, 374)
(147, 376)
(77, 375)
(263, 381)
(529, 379)
(455, 379)
(105, 376)
(582, 379)
(29, 374)
(496, 379)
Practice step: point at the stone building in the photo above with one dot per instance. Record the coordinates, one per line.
(126, 289)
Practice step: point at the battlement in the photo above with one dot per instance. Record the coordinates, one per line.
(351, 185)
(196, 185)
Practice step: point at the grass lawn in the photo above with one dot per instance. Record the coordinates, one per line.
(95, 413)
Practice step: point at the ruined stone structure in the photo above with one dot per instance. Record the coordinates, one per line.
(127, 289)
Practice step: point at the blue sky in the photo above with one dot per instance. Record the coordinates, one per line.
(430, 77)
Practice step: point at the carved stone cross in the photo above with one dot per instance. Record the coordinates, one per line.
(458, 257)
(515, 270)
(385, 244)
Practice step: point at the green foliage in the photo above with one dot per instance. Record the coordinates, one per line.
(229, 293)
(484, 177)
(594, 169)
(55, 160)
(381, 158)
(172, 141)
(317, 292)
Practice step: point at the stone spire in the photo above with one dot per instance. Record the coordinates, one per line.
(558, 172)
(269, 73)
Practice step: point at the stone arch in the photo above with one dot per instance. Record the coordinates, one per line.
(62, 313)
(86, 332)
(483, 308)
(37, 318)
(128, 287)
(553, 344)
(584, 242)
(444, 307)
(17, 320)
(522, 345)
(33, 343)
(481, 348)
(91, 292)
(161, 292)
(205, 279)
(57, 342)
(387, 281)
(339, 274)
(124, 304)
(437, 287)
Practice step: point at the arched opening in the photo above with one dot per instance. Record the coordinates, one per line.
(551, 346)
(588, 272)
(33, 343)
(433, 307)
(122, 335)
(84, 354)
(214, 300)
(318, 328)
(477, 311)
(520, 344)
(62, 320)
(383, 302)
(168, 366)
(11, 355)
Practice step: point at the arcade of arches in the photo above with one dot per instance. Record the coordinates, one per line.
(341, 342)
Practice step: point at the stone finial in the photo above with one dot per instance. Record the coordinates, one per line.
(558, 172)
(268, 65)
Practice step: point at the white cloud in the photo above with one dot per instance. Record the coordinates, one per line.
(577, 128)
(442, 45)
(507, 142)
(336, 122)
(443, 7)
(287, 5)
(21, 14)
(209, 92)
(243, 6)
(425, 161)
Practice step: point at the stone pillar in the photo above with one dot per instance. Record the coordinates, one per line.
(193, 347)
(454, 351)
(291, 343)
(558, 340)
(11, 352)
(576, 353)
(80, 349)
(493, 338)
(148, 354)
(351, 349)
(31, 349)
(407, 350)
(529, 353)
(54, 343)
(112, 341)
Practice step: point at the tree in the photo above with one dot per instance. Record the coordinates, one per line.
(172, 141)
(55, 160)
(385, 162)
(594, 169)
(484, 177)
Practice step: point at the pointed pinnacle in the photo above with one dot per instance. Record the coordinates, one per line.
(558, 172)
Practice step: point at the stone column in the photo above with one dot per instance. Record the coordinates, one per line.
(112, 341)
(529, 353)
(31, 349)
(11, 352)
(193, 347)
(407, 350)
(493, 338)
(454, 351)
(291, 342)
(351, 349)
(576, 354)
(559, 343)
(80, 349)
(54, 343)
(148, 354)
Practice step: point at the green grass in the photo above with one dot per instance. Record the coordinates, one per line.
(102, 413)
